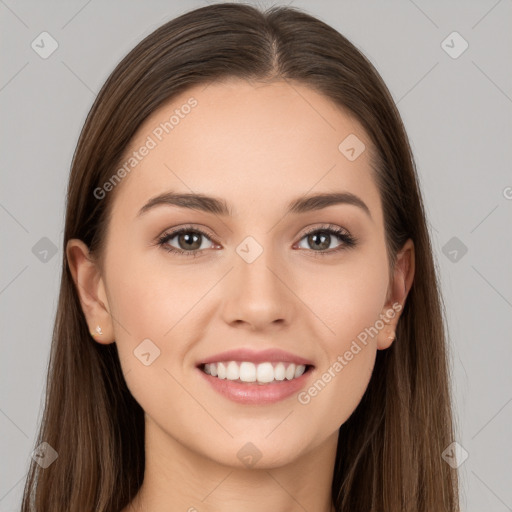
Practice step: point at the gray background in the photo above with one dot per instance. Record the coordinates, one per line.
(457, 112)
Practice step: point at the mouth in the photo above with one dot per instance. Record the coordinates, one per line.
(255, 373)
(256, 378)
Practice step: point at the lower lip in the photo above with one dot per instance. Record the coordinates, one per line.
(253, 393)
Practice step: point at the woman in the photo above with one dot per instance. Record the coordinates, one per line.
(297, 360)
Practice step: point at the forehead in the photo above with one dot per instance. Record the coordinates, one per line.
(250, 143)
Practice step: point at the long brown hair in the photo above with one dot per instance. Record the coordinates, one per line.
(389, 451)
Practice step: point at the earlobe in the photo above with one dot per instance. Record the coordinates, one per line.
(403, 277)
(90, 289)
(387, 334)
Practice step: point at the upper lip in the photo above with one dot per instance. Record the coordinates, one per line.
(262, 356)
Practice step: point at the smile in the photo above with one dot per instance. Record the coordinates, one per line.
(255, 377)
(261, 373)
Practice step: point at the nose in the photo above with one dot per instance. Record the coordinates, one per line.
(259, 293)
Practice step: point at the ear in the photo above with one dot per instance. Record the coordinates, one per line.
(403, 276)
(91, 291)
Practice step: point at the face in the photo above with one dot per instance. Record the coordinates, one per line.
(309, 285)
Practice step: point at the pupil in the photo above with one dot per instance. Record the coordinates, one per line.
(190, 240)
(324, 237)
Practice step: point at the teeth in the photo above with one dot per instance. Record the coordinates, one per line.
(299, 370)
(279, 371)
(232, 371)
(246, 371)
(221, 371)
(265, 372)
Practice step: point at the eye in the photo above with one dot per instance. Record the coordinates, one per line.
(188, 238)
(321, 238)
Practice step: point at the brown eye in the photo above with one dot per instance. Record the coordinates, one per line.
(188, 241)
(320, 239)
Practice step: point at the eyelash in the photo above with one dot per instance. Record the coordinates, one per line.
(348, 240)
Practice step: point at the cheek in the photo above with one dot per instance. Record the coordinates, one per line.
(149, 310)
(150, 295)
(349, 302)
(339, 386)
(346, 298)
(142, 309)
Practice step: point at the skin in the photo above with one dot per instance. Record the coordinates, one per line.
(258, 146)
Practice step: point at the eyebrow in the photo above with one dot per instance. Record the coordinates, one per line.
(219, 206)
